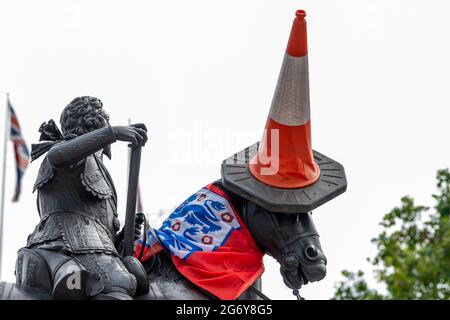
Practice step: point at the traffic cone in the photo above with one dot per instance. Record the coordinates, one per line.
(285, 158)
(282, 173)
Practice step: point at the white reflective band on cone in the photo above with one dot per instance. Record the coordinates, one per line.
(290, 104)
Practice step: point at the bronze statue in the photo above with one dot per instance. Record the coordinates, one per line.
(270, 188)
(75, 252)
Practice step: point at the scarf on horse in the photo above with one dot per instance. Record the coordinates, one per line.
(209, 244)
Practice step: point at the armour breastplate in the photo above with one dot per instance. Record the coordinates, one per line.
(86, 191)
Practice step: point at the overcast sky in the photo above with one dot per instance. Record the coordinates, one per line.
(201, 75)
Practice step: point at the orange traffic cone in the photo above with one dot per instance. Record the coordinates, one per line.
(285, 158)
(283, 173)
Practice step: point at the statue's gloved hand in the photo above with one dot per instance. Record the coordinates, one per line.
(136, 134)
(139, 220)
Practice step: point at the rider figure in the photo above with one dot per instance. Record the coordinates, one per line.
(74, 250)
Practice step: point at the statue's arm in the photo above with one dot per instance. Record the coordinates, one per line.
(72, 151)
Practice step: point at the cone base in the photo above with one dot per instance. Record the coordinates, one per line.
(237, 178)
(285, 181)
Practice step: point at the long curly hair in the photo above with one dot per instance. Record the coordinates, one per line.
(83, 115)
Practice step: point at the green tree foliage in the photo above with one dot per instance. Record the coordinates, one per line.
(413, 259)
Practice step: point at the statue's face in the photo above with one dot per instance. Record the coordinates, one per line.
(292, 239)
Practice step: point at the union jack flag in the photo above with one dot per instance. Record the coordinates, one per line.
(22, 154)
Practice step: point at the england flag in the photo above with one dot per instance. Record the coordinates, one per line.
(209, 244)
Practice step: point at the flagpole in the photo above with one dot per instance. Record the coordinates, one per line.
(2, 208)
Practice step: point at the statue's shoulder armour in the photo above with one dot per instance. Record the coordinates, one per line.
(45, 174)
(92, 177)
(95, 180)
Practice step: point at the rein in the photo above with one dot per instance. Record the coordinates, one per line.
(309, 234)
(258, 293)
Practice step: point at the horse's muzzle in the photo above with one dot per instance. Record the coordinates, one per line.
(313, 273)
(312, 266)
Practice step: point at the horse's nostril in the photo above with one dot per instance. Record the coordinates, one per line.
(311, 252)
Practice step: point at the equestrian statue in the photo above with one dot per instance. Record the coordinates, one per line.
(212, 245)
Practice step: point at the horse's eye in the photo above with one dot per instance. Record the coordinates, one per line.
(311, 252)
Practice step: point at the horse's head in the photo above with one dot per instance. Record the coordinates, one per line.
(292, 239)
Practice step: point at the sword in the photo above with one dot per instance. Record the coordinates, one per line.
(133, 181)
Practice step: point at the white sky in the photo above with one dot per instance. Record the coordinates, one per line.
(201, 75)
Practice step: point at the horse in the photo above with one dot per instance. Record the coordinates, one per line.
(290, 238)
